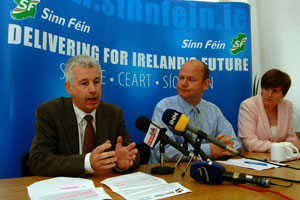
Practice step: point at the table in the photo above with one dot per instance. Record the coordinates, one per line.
(16, 188)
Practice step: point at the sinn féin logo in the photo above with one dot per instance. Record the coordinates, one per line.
(238, 43)
(24, 9)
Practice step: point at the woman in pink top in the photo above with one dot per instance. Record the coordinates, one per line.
(267, 117)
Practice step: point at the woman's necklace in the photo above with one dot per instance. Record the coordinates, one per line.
(272, 117)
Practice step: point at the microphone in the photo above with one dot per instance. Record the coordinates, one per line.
(180, 122)
(208, 172)
(187, 138)
(246, 178)
(155, 133)
(195, 145)
(144, 124)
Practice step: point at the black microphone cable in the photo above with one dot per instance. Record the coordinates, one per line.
(278, 178)
(270, 162)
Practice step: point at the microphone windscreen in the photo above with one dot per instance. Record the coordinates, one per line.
(142, 123)
(207, 172)
(176, 120)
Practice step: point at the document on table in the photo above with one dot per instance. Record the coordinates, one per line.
(66, 188)
(140, 185)
(132, 181)
(154, 192)
(248, 163)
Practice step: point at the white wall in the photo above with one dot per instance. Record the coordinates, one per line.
(275, 31)
(276, 43)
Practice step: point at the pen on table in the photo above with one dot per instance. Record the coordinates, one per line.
(256, 163)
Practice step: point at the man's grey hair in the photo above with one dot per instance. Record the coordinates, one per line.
(82, 61)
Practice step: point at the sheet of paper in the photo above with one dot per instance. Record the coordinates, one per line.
(65, 187)
(248, 163)
(154, 192)
(132, 181)
(59, 185)
(140, 185)
(87, 194)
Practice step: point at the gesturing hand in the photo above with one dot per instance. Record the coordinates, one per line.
(125, 155)
(100, 159)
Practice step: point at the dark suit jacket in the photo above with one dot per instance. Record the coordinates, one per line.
(55, 147)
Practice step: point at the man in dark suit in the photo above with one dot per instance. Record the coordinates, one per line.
(59, 147)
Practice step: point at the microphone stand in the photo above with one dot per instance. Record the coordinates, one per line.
(162, 169)
(185, 145)
(187, 139)
(198, 152)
